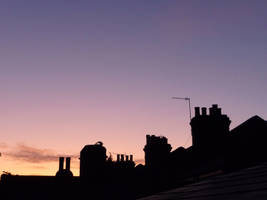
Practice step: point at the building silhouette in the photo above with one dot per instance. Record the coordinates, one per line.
(92, 160)
(215, 150)
(209, 131)
(156, 150)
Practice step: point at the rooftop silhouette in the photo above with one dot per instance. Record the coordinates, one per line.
(215, 149)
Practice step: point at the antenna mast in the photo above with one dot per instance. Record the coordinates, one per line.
(189, 104)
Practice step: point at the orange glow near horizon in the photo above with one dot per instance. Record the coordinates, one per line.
(44, 168)
(25, 168)
(35, 166)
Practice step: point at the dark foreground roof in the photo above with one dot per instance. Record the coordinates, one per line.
(250, 183)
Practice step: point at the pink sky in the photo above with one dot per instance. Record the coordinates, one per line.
(74, 73)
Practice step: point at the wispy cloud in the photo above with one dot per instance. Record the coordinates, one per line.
(33, 155)
(3, 145)
(29, 154)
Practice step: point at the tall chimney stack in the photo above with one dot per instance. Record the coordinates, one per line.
(61, 163)
(68, 163)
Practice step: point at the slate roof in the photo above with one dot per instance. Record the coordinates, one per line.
(250, 183)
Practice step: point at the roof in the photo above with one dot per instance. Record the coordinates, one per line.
(250, 183)
(252, 123)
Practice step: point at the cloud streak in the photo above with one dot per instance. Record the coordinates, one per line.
(29, 154)
(3, 145)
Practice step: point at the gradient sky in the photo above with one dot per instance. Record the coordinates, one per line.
(76, 72)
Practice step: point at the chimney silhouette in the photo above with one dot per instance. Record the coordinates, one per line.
(156, 150)
(131, 158)
(197, 111)
(210, 131)
(64, 172)
(61, 163)
(68, 163)
(118, 157)
(204, 111)
(214, 110)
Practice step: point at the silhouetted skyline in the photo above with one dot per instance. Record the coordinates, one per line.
(215, 150)
(73, 73)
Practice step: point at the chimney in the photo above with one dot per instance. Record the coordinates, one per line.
(197, 111)
(204, 111)
(215, 106)
(68, 163)
(147, 139)
(131, 158)
(118, 157)
(214, 110)
(127, 158)
(122, 158)
(61, 163)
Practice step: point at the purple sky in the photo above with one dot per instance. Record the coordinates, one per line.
(76, 72)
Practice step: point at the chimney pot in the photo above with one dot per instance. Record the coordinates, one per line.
(197, 111)
(204, 111)
(215, 106)
(61, 163)
(68, 163)
(118, 157)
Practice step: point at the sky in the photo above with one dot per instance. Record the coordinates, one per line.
(76, 72)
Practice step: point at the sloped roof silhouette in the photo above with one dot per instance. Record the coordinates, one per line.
(251, 124)
(252, 131)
